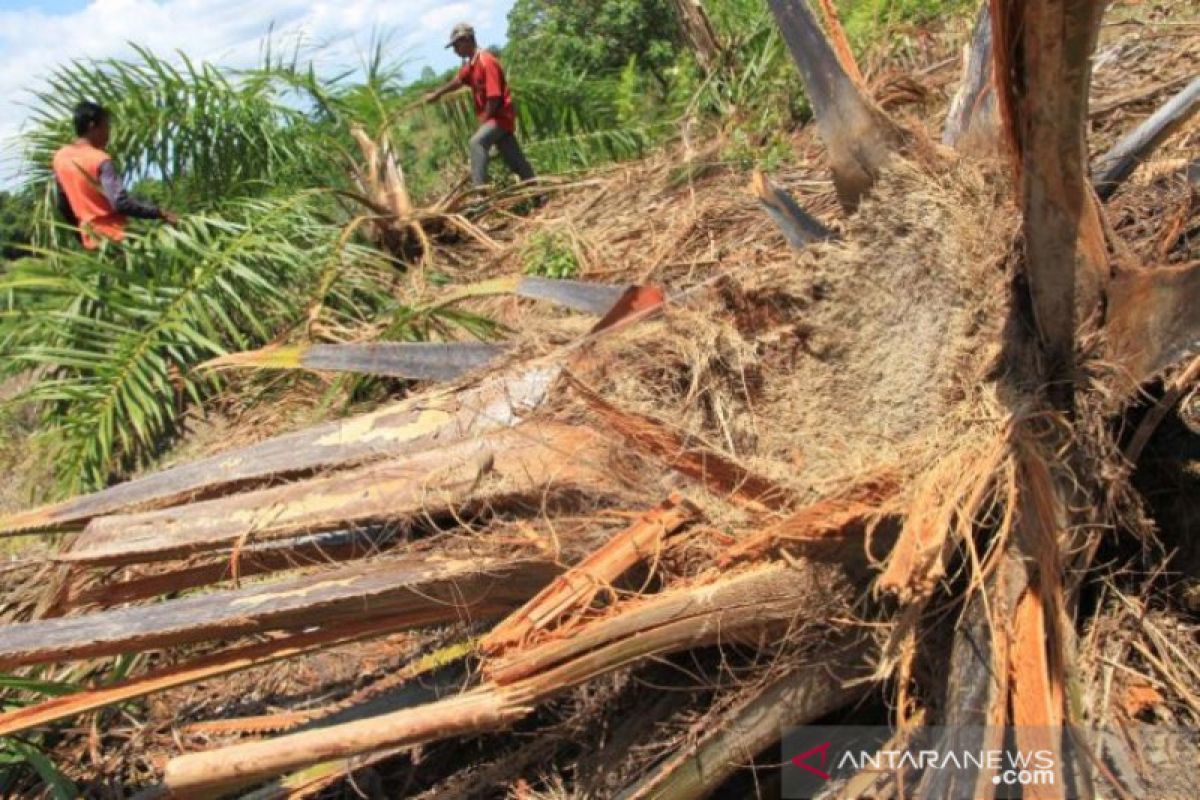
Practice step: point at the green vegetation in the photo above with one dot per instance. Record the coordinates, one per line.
(20, 756)
(550, 254)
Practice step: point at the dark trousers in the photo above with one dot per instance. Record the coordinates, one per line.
(489, 135)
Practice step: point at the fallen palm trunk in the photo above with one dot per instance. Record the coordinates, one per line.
(214, 665)
(405, 427)
(528, 459)
(575, 589)
(798, 227)
(741, 607)
(418, 361)
(412, 592)
(1115, 166)
(796, 698)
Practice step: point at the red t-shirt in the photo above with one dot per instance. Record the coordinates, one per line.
(485, 76)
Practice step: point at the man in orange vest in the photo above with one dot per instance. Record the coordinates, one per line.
(493, 106)
(91, 195)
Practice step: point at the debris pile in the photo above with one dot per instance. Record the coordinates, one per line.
(729, 487)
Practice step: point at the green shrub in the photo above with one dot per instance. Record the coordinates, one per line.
(550, 254)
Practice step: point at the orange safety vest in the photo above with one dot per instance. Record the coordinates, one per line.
(77, 168)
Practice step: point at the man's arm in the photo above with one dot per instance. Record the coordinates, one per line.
(125, 203)
(454, 84)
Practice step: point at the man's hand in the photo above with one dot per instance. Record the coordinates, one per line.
(430, 97)
(170, 217)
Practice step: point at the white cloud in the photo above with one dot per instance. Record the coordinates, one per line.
(227, 32)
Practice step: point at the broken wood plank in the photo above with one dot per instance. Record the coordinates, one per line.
(841, 45)
(527, 459)
(411, 592)
(406, 427)
(418, 361)
(794, 222)
(213, 773)
(575, 589)
(756, 599)
(1037, 696)
(254, 559)
(213, 665)
(1115, 166)
(746, 605)
(858, 136)
(977, 684)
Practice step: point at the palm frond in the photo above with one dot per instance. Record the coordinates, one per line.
(115, 333)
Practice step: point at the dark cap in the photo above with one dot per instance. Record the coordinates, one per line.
(461, 31)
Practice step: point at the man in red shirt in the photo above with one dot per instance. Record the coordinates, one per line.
(493, 106)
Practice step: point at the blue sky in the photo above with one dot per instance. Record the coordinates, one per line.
(34, 36)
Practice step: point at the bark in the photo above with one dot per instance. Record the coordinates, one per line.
(1043, 51)
(1115, 166)
(1152, 322)
(973, 123)
(857, 135)
(698, 31)
(405, 427)
(411, 592)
